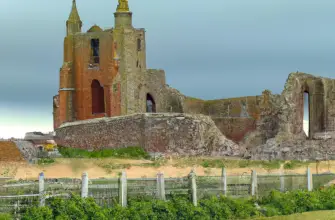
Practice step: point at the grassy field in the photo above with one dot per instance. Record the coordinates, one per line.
(318, 215)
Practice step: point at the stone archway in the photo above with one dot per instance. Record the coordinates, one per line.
(98, 97)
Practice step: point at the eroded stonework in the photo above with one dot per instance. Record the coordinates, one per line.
(171, 133)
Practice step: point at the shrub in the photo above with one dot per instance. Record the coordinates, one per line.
(38, 213)
(180, 207)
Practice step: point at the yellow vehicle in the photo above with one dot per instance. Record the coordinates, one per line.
(49, 147)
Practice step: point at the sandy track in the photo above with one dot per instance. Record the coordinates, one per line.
(73, 168)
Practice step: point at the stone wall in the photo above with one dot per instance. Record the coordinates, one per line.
(247, 106)
(235, 117)
(180, 134)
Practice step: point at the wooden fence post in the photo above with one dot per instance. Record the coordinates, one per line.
(193, 185)
(160, 186)
(41, 189)
(84, 185)
(254, 183)
(123, 189)
(224, 181)
(309, 180)
(282, 182)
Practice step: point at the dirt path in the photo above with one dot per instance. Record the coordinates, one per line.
(96, 168)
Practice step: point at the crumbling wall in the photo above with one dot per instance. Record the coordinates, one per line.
(180, 134)
(290, 142)
(235, 117)
(235, 128)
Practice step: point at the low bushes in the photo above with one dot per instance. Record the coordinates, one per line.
(176, 208)
(298, 201)
(127, 152)
(181, 208)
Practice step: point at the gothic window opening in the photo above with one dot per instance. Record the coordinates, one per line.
(150, 103)
(95, 51)
(98, 98)
(139, 45)
(306, 117)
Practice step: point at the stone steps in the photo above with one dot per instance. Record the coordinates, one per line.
(28, 150)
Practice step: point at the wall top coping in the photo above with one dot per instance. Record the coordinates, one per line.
(134, 117)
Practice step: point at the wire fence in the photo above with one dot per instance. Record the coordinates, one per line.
(15, 197)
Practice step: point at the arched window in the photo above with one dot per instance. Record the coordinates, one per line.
(150, 103)
(98, 98)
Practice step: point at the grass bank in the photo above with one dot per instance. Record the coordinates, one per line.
(316, 215)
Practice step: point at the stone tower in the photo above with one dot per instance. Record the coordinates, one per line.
(104, 72)
(65, 111)
(132, 51)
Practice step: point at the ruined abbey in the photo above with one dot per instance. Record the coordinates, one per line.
(108, 98)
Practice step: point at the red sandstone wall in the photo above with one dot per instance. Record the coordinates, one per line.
(235, 128)
(105, 73)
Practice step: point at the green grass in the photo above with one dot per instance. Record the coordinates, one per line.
(294, 164)
(45, 161)
(5, 216)
(317, 215)
(275, 164)
(127, 152)
(228, 163)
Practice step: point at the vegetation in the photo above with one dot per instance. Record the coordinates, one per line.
(128, 152)
(44, 161)
(181, 208)
(140, 153)
(228, 163)
(316, 215)
(294, 164)
(5, 216)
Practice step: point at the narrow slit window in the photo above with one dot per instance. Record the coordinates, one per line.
(139, 44)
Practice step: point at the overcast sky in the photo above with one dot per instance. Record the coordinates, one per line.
(209, 48)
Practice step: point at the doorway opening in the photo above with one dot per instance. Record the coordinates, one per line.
(150, 103)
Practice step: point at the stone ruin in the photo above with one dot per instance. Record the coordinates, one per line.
(108, 98)
(262, 127)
